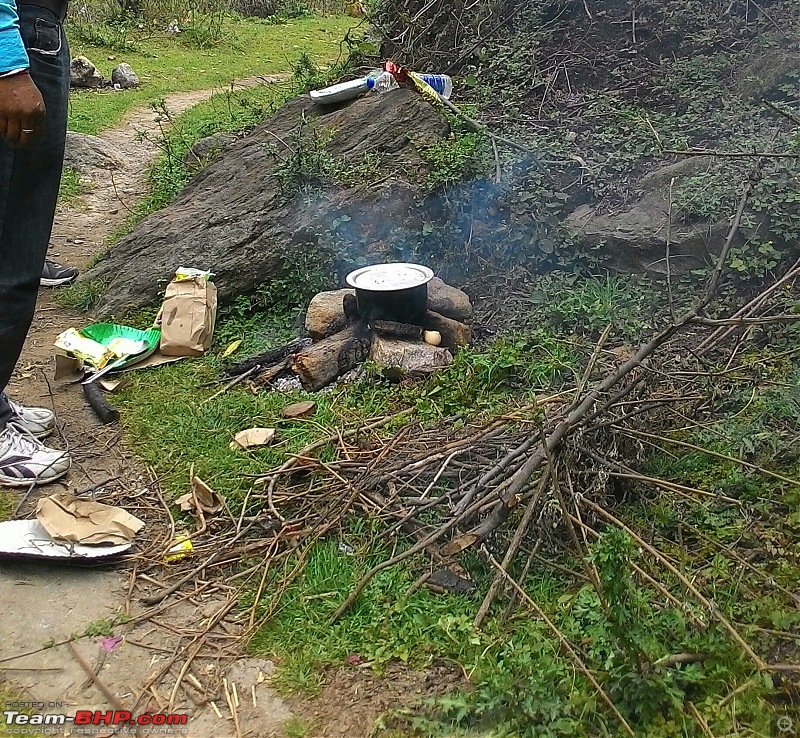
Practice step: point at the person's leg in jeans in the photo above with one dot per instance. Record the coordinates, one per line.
(30, 176)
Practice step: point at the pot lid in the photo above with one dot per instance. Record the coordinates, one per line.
(389, 277)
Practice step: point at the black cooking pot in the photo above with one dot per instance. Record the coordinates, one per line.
(396, 291)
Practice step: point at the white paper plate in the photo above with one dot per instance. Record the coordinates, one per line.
(28, 538)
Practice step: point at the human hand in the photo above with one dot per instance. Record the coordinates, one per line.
(22, 109)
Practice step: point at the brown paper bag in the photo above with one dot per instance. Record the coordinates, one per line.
(69, 518)
(188, 316)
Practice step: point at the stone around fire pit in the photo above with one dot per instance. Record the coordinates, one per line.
(325, 314)
(449, 301)
(400, 358)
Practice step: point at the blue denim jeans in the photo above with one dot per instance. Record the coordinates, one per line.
(29, 180)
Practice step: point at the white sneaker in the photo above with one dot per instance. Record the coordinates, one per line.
(24, 460)
(38, 421)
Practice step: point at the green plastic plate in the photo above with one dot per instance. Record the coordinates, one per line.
(106, 332)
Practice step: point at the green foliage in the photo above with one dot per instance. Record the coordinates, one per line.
(206, 30)
(308, 165)
(384, 625)
(486, 380)
(709, 195)
(296, 727)
(104, 29)
(272, 312)
(572, 304)
(102, 627)
(777, 196)
(71, 187)
(453, 160)
(82, 295)
(754, 259)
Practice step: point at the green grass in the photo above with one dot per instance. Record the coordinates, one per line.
(522, 683)
(71, 187)
(296, 727)
(165, 65)
(80, 295)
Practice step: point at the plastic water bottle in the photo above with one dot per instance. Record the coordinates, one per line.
(384, 82)
(442, 83)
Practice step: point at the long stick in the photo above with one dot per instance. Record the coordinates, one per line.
(583, 407)
(511, 552)
(716, 454)
(730, 154)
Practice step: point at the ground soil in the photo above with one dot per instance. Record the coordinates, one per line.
(44, 605)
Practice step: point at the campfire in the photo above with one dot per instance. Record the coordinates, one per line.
(398, 315)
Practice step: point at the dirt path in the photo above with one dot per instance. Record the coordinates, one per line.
(42, 604)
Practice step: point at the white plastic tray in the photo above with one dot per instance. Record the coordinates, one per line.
(29, 539)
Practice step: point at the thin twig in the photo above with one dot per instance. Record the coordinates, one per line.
(511, 551)
(732, 154)
(785, 113)
(670, 295)
(236, 380)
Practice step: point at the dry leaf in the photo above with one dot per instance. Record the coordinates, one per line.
(208, 500)
(68, 518)
(253, 437)
(299, 409)
(231, 348)
(112, 385)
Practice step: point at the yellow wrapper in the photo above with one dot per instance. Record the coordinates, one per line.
(88, 351)
(179, 551)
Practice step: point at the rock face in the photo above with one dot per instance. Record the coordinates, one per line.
(124, 76)
(238, 219)
(82, 73)
(635, 239)
(206, 149)
(84, 152)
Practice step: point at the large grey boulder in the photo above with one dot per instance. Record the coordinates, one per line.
(255, 211)
(634, 240)
(84, 153)
(82, 73)
(124, 76)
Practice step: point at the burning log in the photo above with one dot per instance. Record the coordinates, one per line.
(326, 360)
(397, 330)
(267, 360)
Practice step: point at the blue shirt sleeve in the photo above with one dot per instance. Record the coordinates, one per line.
(12, 49)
